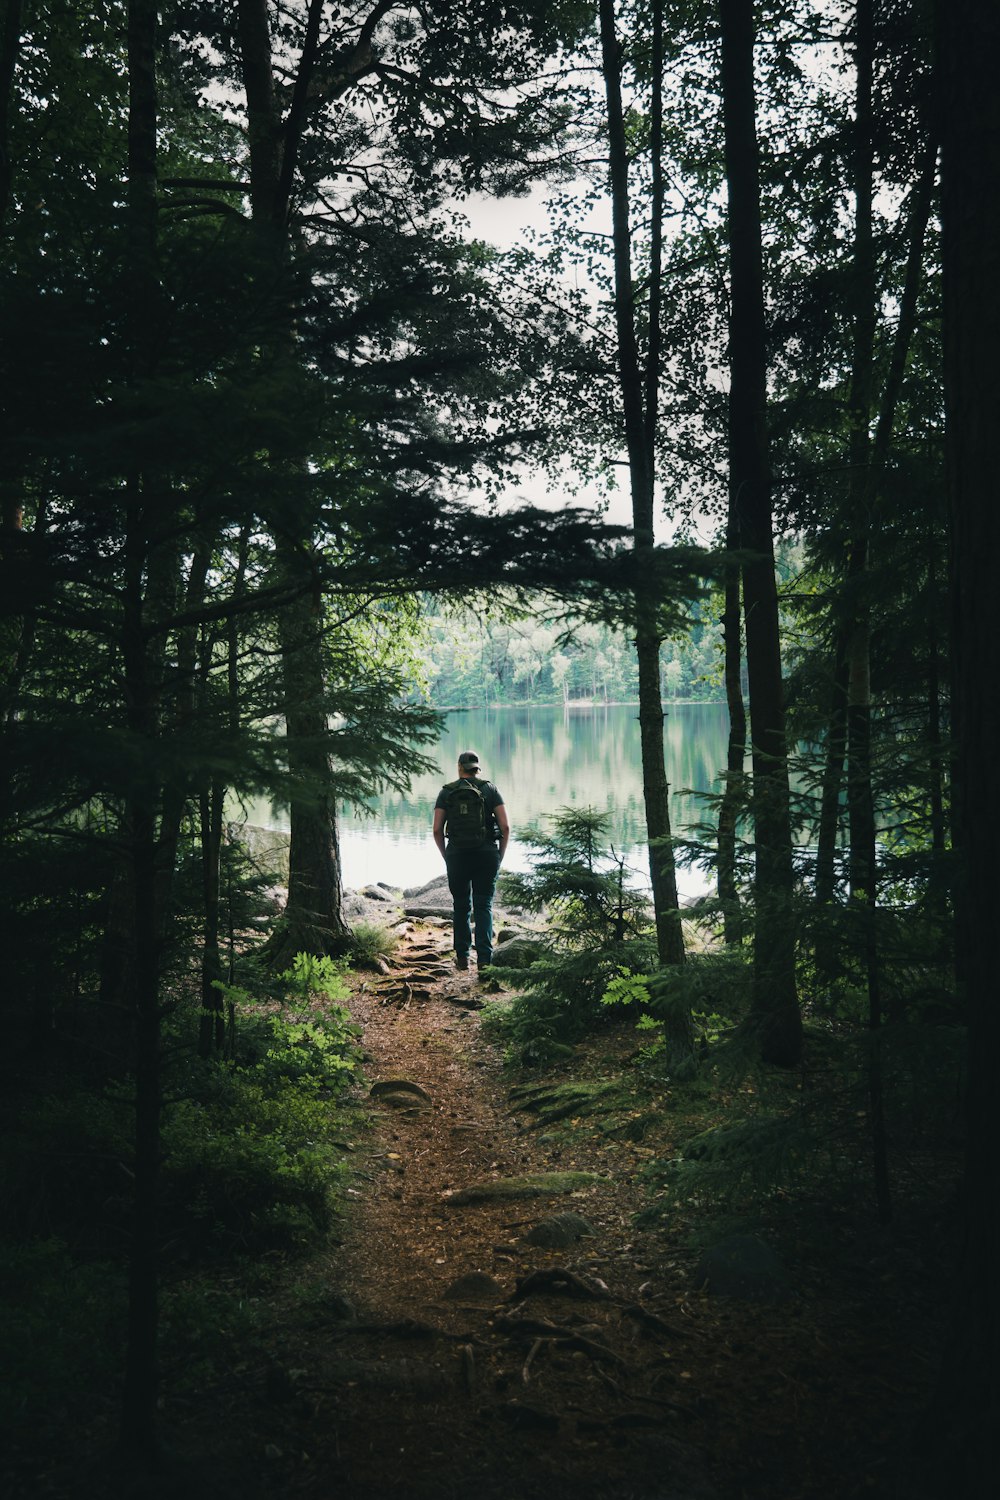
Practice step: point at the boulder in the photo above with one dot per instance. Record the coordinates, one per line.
(742, 1266)
(517, 953)
(400, 1100)
(537, 1185)
(428, 909)
(437, 886)
(559, 1231)
(400, 1093)
(476, 1287)
(380, 892)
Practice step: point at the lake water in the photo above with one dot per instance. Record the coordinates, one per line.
(541, 759)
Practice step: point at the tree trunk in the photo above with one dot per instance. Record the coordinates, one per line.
(732, 797)
(139, 1419)
(827, 945)
(937, 893)
(827, 941)
(313, 920)
(775, 1014)
(863, 865)
(211, 1028)
(962, 1427)
(10, 46)
(640, 438)
(178, 788)
(18, 633)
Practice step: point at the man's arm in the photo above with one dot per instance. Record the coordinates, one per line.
(503, 823)
(439, 829)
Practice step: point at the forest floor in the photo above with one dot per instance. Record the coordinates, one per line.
(439, 1353)
(439, 1350)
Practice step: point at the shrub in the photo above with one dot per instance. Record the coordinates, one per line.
(251, 1151)
(62, 1324)
(599, 929)
(371, 942)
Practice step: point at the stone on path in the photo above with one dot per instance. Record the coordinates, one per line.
(400, 1093)
(559, 1231)
(465, 1001)
(409, 1103)
(517, 953)
(475, 1287)
(535, 1185)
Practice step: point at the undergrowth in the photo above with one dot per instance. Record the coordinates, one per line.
(253, 1150)
(370, 942)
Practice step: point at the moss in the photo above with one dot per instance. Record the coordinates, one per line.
(553, 1102)
(536, 1185)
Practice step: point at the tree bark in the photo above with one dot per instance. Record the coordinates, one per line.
(212, 1029)
(963, 1428)
(139, 1420)
(827, 941)
(733, 795)
(827, 945)
(775, 1016)
(179, 786)
(863, 864)
(937, 893)
(313, 919)
(640, 437)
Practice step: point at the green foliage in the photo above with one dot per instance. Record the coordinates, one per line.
(312, 974)
(778, 1136)
(251, 1169)
(317, 1052)
(713, 988)
(734, 1165)
(628, 989)
(371, 942)
(579, 882)
(252, 1149)
(560, 999)
(62, 1323)
(529, 655)
(598, 934)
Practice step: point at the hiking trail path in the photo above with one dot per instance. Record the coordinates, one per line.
(454, 1357)
(494, 1324)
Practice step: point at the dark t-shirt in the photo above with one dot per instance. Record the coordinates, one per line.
(491, 797)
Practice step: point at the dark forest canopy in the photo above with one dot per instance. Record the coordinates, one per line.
(269, 408)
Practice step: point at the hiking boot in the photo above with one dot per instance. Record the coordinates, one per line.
(461, 960)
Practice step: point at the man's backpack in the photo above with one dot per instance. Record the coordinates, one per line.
(466, 820)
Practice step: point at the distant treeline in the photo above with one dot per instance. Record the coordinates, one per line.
(479, 661)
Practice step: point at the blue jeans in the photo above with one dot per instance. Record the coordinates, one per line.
(472, 879)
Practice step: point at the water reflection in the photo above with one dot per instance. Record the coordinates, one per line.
(542, 759)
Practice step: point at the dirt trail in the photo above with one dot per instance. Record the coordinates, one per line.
(588, 1371)
(413, 1387)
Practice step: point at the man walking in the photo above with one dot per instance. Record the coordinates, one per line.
(471, 813)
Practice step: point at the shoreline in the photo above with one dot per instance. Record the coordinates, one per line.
(535, 703)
